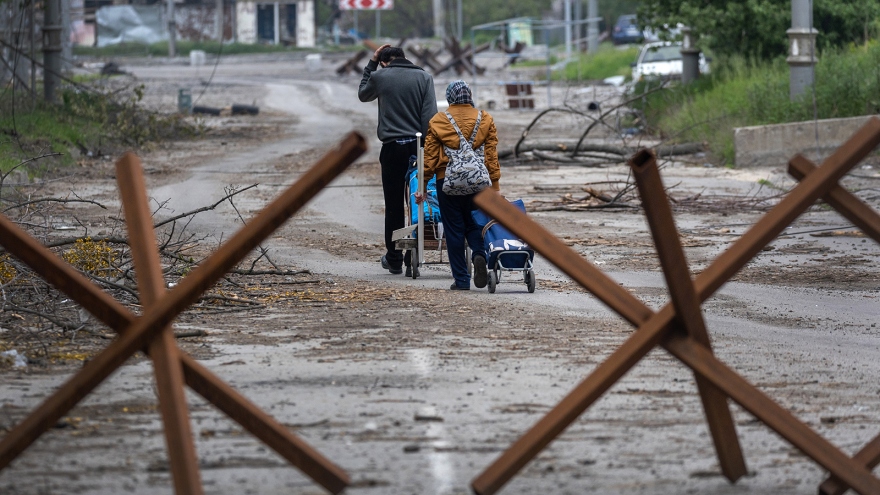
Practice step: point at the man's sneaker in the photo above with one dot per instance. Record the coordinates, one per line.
(408, 273)
(394, 271)
(481, 276)
(455, 287)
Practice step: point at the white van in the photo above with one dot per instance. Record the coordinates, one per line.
(662, 59)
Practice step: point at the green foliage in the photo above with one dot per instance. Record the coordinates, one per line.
(183, 48)
(756, 28)
(606, 62)
(747, 92)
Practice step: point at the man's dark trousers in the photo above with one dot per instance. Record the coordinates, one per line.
(394, 158)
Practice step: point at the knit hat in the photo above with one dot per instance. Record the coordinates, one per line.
(458, 92)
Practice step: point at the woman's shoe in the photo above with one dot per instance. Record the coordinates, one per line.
(481, 275)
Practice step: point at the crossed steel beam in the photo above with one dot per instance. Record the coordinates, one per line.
(679, 326)
(864, 217)
(151, 331)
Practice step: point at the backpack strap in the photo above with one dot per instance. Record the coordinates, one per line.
(454, 125)
(458, 131)
(476, 126)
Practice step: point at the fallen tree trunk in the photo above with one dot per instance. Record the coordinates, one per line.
(590, 161)
(621, 151)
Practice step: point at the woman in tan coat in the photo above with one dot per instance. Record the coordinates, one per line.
(455, 211)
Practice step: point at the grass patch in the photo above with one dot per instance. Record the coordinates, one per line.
(536, 62)
(608, 61)
(185, 47)
(31, 133)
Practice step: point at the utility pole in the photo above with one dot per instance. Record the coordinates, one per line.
(690, 57)
(567, 7)
(18, 58)
(219, 17)
(460, 18)
(52, 50)
(801, 48)
(172, 31)
(439, 20)
(66, 45)
(33, 56)
(276, 23)
(593, 26)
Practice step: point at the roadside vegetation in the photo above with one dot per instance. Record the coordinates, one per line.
(34, 134)
(740, 92)
(743, 92)
(183, 48)
(89, 120)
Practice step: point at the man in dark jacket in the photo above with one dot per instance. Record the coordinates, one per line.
(406, 104)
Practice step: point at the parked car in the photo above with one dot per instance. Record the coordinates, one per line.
(662, 59)
(626, 31)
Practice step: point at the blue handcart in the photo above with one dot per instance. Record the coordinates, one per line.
(506, 252)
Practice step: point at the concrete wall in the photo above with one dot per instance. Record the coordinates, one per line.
(196, 22)
(246, 21)
(770, 145)
(305, 23)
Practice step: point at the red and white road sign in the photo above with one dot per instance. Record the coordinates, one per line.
(366, 4)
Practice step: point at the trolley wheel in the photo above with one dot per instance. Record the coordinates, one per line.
(415, 272)
(493, 280)
(531, 281)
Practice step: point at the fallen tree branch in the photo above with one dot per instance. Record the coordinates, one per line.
(236, 299)
(579, 207)
(190, 333)
(264, 252)
(52, 200)
(269, 272)
(177, 335)
(525, 132)
(204, 208)
(572, 161)
(50, 318)
(613, 109)
(568, 146)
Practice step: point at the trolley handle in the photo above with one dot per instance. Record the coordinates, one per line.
(420, 161)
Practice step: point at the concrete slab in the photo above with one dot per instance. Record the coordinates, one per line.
(770, 145)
